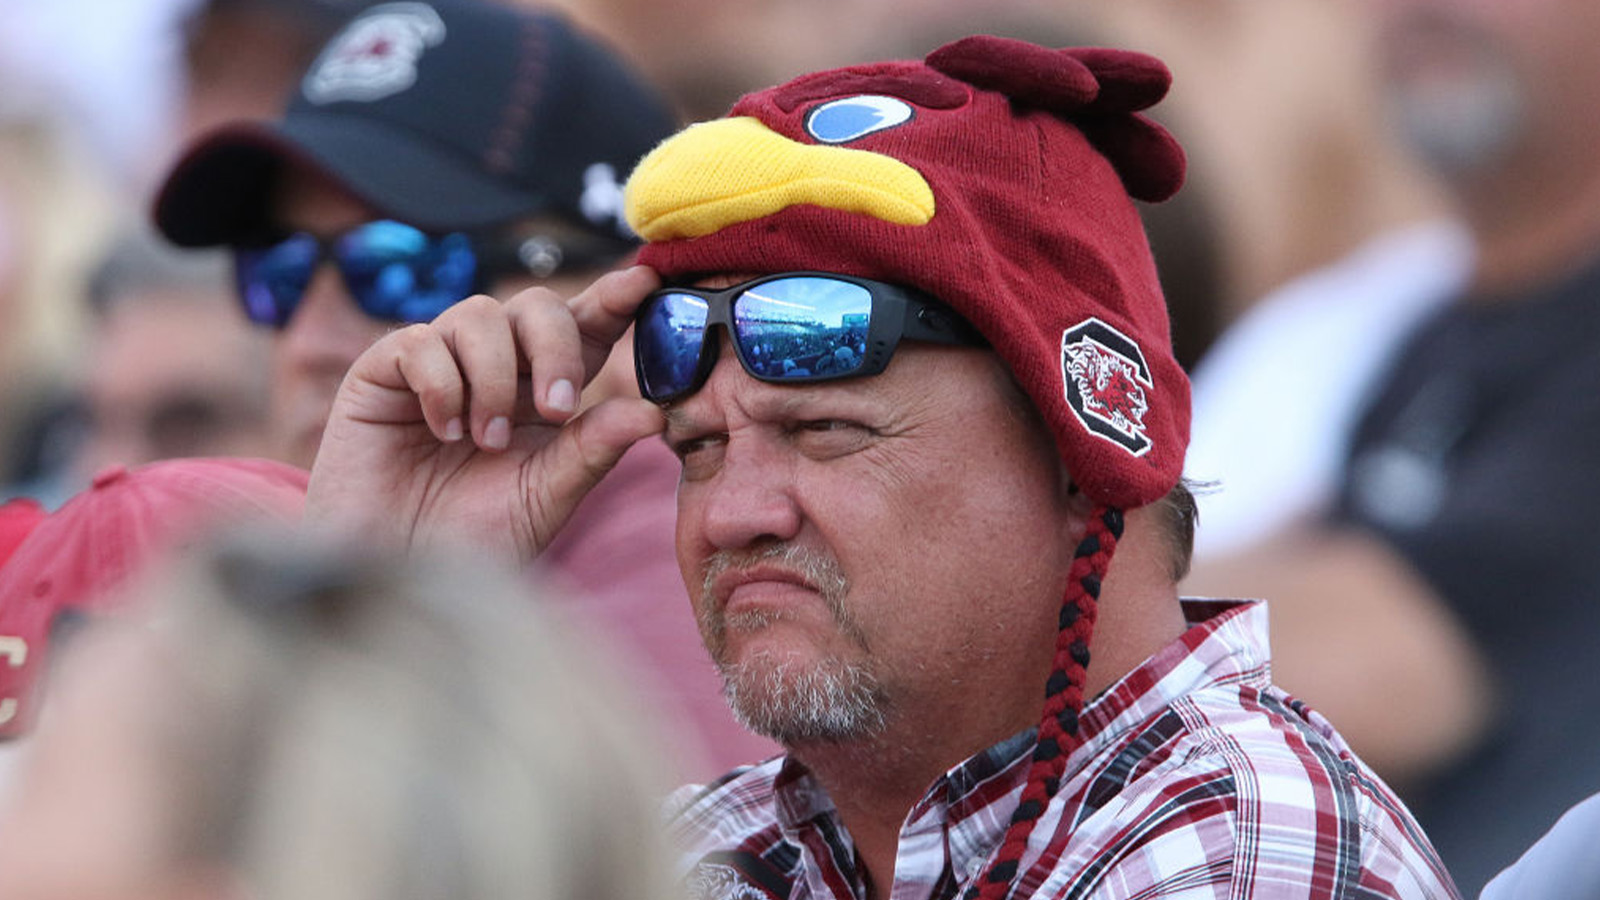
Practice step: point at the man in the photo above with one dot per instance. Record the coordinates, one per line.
(429, 152)
(433, 150)
(888, 562)
(172, 369)
(1459, 541)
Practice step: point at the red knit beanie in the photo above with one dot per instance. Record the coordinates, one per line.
(997, 176)
(1022, 223)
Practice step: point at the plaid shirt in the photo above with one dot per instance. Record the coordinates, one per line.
(1198, 779)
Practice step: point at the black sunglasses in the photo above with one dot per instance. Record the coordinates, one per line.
(792, 327)
(395, 271)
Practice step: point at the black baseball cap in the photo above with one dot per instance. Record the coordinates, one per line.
(450, 115)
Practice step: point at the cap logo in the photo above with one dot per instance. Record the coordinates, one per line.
(842, 121)
(376, 55)
(1106, 377)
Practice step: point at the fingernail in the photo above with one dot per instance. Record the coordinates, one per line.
(562, 396)
(497, 434)
(452, 429)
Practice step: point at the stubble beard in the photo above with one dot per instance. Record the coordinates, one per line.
(829, 700)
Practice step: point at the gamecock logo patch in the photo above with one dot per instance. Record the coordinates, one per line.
(376, 55)
(1106, 381)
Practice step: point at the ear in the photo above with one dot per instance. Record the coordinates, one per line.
(1075, 503)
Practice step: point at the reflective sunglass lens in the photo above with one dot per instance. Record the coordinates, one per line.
(669, 336)
(272, 280)
(803, 326)
(397, 272)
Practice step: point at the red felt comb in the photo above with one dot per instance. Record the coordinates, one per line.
(1099, 90)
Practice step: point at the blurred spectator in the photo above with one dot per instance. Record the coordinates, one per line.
(432, 151)
(1279, 107)
(73, 561)
(55, 211)
(1444, 612)
(168, 369)
(94, 96)
(110, 71)
(1334, 242)
(1278, 395)
(172, 368)
(427, 120)
(298, 724)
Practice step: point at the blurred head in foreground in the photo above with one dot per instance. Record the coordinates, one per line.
(314, 725)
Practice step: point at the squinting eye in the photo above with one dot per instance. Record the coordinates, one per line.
(841, 121)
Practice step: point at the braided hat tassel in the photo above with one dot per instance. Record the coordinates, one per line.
(1063, 702)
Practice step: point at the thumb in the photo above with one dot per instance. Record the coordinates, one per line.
(585, 449)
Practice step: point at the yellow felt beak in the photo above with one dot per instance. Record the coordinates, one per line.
(721, 173)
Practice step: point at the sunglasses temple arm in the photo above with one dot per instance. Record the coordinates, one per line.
(935, 324)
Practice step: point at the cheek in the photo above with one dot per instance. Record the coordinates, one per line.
(979, 555)
(690, 545)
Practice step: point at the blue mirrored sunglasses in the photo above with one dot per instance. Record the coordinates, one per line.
(395, 271)
(791, 327)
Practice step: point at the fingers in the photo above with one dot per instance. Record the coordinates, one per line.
(548, 338)
(490, 344)
(465, 367)
(474, 332)
(582, 454)
(605, 309)
(569, 341)
(421, 363)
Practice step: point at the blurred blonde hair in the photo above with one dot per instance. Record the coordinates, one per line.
(346, 726)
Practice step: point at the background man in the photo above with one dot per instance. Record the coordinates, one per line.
(1459, 541)
(433, 150)
(886, 568)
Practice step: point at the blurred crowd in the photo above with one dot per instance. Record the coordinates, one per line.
(1377, 273)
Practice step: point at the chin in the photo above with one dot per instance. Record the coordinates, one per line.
(794, 700)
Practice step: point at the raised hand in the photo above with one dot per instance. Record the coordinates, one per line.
(462, 430)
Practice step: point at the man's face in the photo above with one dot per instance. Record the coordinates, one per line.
(174, 375)
(328, 329)
(871, 553)
(1469, 81)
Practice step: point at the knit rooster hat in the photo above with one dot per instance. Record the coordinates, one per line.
(998, 176)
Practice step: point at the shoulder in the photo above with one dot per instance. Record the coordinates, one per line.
(1252, 794)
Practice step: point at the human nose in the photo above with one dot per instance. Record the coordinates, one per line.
(327, 327)
(751, 497)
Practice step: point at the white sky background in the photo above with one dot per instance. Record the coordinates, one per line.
(111, 71)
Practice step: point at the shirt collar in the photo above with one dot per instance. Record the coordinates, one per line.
(1225, 643)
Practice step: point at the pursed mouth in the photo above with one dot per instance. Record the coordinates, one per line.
(724, 584)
